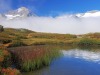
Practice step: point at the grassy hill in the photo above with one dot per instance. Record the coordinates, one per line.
(18, 37)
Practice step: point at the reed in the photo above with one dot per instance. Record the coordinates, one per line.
(32, 58)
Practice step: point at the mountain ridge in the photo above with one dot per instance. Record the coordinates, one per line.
(24, 12)
(21, 12)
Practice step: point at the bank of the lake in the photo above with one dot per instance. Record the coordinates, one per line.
(30, 58)
(31, 50)
(75, 61)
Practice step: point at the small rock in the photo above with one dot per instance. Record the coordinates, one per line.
(1, 28)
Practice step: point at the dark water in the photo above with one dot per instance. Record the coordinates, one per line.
(73, 62)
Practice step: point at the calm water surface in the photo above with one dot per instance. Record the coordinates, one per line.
(73, 62)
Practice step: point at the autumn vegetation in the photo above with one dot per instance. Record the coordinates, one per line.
(32, 58)
(23, 37)
(27, 58)
(5, 64)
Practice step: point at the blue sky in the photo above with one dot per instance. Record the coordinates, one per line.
(53, 15)
(51, 7)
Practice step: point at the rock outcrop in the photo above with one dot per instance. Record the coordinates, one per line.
(1, 28)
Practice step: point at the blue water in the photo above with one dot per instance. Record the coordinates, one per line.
(73, 66)
(74, 62)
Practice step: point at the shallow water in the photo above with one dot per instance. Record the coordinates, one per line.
(73, 62)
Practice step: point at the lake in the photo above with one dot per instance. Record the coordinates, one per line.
(74, 61)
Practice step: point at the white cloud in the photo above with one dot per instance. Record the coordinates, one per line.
(59, 24)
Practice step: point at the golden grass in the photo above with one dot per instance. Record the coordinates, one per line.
(28, 37)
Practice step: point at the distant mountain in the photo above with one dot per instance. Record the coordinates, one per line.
(94, 13)
(24, 12)
(16, 14)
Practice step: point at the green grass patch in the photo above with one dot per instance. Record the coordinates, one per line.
(89, 42)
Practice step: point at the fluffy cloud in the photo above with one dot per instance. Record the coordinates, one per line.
(59, 24)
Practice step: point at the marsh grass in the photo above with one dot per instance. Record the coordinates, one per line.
(89, 42)
(32, 58)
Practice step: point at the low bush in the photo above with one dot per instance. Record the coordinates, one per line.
(9, 71)
(88, 41)
(5, 63)
(4, 41)
(17, 43)
(5, 58)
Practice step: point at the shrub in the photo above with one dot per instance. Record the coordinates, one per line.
(5, 58)
(4, 41)
(17, 43)
(88, 41)
(9, 71)
(5, 64)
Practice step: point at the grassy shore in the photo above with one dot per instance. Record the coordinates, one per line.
(32, 58)
(35, 57)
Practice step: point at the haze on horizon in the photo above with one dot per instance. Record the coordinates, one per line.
(58, 20)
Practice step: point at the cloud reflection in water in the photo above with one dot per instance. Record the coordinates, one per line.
(83, 54)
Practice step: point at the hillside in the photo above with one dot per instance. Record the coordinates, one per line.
(22, 37)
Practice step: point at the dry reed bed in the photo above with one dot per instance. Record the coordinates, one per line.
(31, 58)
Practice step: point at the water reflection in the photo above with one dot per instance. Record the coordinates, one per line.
(75, 61)
(83, 54)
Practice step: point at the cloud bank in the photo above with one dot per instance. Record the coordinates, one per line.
(66, 23)
(60, 24)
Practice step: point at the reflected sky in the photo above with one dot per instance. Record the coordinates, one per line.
(74, 62)
(83, 54)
